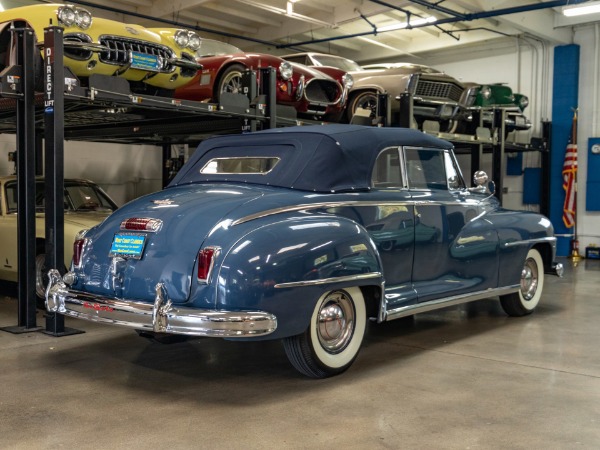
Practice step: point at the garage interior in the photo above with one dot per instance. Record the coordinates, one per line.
(469, 376)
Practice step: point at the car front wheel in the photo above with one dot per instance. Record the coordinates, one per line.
(332, 341)
(363, 100)
(230, 81)
(527, 298)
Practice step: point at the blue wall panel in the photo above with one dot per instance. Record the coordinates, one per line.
(592, 202)
(532, 185)
(565, 91)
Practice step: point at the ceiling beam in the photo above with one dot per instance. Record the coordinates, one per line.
(173, 8)
(214, 22)
(235, 12)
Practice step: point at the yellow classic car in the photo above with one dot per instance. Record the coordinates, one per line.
(93, 45)
(86, 205)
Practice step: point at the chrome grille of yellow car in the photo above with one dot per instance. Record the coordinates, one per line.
(72, 51)
(119, 50)
(436, 89)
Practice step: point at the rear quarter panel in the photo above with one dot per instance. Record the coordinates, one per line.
(289, 249)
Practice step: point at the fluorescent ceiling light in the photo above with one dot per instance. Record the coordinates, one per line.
(402, 25)
(582, 9)
(380, 44)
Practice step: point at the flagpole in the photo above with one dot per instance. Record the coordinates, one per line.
(575, 256)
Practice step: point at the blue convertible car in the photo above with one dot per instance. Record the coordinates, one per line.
(303, 234)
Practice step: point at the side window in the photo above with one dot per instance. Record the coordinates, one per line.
(11, 197)
(386, 172)
(425, 169)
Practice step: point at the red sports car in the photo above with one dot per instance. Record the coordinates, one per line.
(313, 93)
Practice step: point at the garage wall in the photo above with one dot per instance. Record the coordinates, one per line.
(526, 65)
(521, 63)
(588, 38)
(124, 171)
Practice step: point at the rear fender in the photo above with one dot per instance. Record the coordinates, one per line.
(284, 267)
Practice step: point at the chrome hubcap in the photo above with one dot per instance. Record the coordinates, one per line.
(336, 322)
(529, 279)
(233, 83)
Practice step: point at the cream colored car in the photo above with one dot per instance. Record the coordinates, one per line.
(86, 205)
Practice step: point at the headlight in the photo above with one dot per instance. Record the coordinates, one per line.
(194, 42)
(523, 102)
(486, 92)
(69, 15)
(66, 15)
(285, 70)
(182, 38)
(348, 81)
(83, 18)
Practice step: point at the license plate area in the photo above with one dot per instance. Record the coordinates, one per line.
(128, 245)
(144, 61)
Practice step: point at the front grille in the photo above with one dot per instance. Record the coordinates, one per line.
(322, 91)
(119, 48)
(72, 51)
(438, 89)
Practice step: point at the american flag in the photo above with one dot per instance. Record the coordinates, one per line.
(570, 178)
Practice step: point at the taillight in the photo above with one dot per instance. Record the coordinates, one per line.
(141, 224)
(78, 246)
(77, 252)
(206, 261)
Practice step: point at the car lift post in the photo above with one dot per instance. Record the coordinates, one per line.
(499, 124)
(268, 80)
(54, 121)
(25, 184)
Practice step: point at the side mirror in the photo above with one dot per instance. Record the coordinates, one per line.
(483, 183)
(480, 178)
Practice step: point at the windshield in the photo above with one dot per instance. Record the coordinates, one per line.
(209, 47)
(78, 196)
(335, 61)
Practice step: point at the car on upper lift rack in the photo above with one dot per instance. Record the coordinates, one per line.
(314, 94)
(151, 63)
(436, 95)
(487, 97)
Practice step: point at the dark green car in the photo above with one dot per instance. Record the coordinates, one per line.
(486, 98)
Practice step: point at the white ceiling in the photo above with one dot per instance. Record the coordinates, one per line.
(267, 25)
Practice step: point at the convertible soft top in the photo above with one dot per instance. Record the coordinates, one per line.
(329, 158)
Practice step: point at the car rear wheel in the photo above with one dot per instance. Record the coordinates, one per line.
(41, 275)
(527, 298)
(334, 337)
(230, 81)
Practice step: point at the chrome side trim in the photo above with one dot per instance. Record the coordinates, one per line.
(361, 276)
(321, 205)
(444, 302)
(530, 241)
(310, 206)
(161, 316)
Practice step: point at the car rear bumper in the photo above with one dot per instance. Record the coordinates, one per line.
(161, 316)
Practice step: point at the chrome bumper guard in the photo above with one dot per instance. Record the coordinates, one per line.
(161, 316)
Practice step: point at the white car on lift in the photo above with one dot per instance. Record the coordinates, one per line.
(85, 203)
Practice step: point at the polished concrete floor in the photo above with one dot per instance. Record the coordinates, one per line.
(466, 377)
